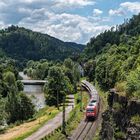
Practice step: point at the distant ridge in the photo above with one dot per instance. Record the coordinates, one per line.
(23, 44)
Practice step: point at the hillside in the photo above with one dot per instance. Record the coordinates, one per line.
(23, 44)
(119, 34)
(117, 55)
(113, 61)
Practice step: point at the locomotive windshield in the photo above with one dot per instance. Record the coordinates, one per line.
(91, 104)
(90, 110)
(93, 101)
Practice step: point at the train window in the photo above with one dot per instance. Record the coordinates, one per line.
(90, 110)
(91, 104)
(93, 101)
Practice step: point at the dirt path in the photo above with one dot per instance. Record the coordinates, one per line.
(53, 124)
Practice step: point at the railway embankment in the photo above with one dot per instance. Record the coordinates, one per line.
(122, 119)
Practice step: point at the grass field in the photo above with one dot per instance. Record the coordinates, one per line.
(27, 128)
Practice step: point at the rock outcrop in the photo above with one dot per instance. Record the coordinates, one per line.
(117, 124)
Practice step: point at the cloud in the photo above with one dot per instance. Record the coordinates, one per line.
(118, 12)
(68, 27)
(2, 4)
(74, 2)
(133, 7)
(50, 16)
(3, 25)
(97, 12)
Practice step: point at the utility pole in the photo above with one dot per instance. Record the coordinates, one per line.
(63, 117)
(57, 99)
(81, 105)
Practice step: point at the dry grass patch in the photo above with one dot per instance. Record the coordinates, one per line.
(27, 128)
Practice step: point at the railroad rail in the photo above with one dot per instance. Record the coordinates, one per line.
(86, 129)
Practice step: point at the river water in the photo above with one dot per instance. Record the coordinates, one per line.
(34, 92)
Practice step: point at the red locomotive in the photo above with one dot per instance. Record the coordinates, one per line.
(92, 108)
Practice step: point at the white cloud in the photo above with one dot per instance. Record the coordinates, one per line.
(3, 25)
(74, 2)
(24, 10)
(97, 12)
(118, 12)
(67, 27)
(50, 16)
(2, 4)
(125, 7)
(133, 7)
(31, 1)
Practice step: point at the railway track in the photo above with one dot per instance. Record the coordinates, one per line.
(84, 132)
(86, 129)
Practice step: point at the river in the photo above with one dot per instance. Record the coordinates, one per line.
(34, 92)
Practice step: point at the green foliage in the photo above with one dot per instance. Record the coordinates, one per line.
(72, 71)
(20, 85)
(23, 44)
(117, 106)
(117, 59)
(3, 114)
(9, 78)
(120, 135)
(13, 106)
(89, 69)
(133, 82)
(121, 34)
(27, 109)
(19, 107)
(120, 86)
(38, 69)
(56, 86)
(135, 119)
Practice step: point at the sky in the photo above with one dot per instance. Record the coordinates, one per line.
(69, 20)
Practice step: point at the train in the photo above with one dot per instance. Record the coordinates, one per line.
(92, 109)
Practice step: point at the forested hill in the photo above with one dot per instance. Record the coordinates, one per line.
(23, 44)
(113, 58)
(119, 34)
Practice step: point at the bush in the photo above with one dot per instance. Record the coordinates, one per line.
(117, 106)
(133, 82)
(135, 119)
(136, 95)
(120, 86)
(120, 135)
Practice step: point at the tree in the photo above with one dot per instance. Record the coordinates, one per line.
(3, 114)
(20, 85)
(56, 86)
(72, 72)
(9, 78)
(27, 109)
(13, 107)
(68, 63)
(89, 69)
(133, 82)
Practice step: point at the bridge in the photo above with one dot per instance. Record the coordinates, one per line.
(33, 82)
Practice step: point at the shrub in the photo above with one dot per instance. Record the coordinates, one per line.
(135, 119)
(117, 106)
(133, 82)
(120, 86)
(120, 135)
